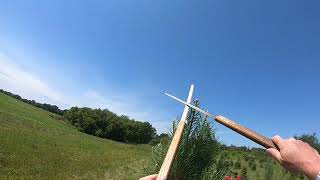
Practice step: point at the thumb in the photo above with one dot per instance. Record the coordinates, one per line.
(275, 154)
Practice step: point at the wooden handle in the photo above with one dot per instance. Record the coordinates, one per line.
(256, 137)
(171, 153)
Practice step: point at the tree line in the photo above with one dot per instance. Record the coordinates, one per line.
(48, 107)
(310, 138)
(101, 123)
(106, 124)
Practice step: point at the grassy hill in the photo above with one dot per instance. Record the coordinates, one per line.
(35, 144)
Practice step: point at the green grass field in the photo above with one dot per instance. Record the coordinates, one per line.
(35, 145)
(258, 165)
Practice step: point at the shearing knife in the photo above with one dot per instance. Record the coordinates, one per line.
(248, 133)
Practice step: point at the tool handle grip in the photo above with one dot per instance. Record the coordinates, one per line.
(173, 148)
(171, 153)
(256, 137)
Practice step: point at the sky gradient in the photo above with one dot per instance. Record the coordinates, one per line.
(255, 62)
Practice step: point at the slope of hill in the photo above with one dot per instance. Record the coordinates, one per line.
(35, 145)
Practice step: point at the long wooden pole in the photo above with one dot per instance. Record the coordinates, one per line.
(171, 153)
(246, 132)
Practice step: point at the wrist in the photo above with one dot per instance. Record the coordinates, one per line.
(318, 176)
(313, 171)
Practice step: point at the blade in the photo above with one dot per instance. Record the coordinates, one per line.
(192, 106)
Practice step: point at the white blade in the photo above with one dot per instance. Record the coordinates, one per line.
(192, 106)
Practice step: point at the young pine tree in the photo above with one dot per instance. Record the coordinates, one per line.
(198, 156)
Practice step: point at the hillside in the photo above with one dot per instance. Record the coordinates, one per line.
(35, 144)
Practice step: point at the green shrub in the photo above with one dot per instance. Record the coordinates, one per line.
(246, 157)
(244, 172)
(237, 165)
(253, 165)
(199, 154)
(268, 170)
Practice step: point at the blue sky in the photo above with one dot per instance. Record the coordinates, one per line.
(256, 62)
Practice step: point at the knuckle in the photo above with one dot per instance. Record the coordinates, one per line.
(275, 137)
(301, 142)
(292, 139)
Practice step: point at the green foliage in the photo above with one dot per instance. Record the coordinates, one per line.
(237, 165)
(216, 171)
(230, 163)
(253, 166)
(198, 154)
(268, 170)
(258, 165)
(33, 145)
(106, 124)
(246, 157)
(162, 138)
(244, 172)
(263, 160)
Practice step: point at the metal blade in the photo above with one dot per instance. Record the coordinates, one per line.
(192, 106)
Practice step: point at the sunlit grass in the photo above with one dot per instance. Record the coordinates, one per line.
(34, 145)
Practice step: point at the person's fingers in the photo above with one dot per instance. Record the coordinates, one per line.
(292, 139)
(278, 141)
(150, 177)
(275, 154)
(301, 142)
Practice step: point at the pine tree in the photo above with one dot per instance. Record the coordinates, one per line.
(198, 156)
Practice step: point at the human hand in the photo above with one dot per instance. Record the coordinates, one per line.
(150, 177)
(296, 155)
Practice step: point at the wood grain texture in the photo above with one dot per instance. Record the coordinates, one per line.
(254, 136)
(171, 153)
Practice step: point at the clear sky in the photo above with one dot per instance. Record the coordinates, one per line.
(256, 62)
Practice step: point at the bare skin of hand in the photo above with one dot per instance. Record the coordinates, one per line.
(151, 177)
(296, 155)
